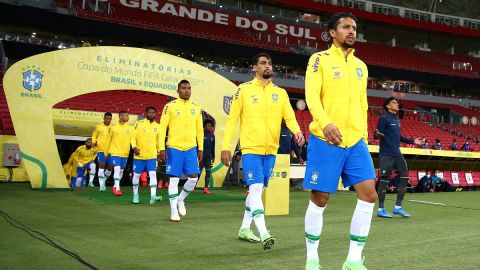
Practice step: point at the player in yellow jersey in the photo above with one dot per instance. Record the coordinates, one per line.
(84, 158)
(185, 132)
(118, 145)
(99, 139)
(336, 94)
(146, 147)
(260, 106)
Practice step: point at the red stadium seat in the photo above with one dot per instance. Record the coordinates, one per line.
(413, 178)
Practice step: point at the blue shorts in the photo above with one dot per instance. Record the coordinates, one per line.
(257, 168)
(81, 170)
(142, 165)
(327, 163)
(182, 162)
(101, 157)
(117, 161)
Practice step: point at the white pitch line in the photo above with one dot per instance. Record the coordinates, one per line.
(427, 202)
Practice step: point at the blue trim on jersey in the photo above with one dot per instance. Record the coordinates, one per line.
(182, 162)
(142, 165)
(257, 168)
(327, 163)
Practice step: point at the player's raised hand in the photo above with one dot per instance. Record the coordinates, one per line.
(136, 151)
(200, 155)
(226, 158)
(299, 139)
(162, 156)
(332, 134)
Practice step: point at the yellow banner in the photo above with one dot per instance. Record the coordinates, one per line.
(277, 196)
(430, 152)
(81, 123)
(35, 84)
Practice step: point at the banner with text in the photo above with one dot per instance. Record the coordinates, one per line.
(35, 84)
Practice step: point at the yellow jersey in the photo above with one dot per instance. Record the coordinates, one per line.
(261, 110)
(185, 125)
(84, 155)
(146, 139)
(100, 136)
(119, 138)
(336, 92)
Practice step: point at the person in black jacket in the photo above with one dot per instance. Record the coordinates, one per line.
(208, 152)
(388, 131)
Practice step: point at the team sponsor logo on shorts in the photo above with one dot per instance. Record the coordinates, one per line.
(250, 175)
(314, 178)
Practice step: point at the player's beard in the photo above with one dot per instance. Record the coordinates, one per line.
(347, 45)
(266, 75)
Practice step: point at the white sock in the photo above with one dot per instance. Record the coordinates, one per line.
(93, 169)
(135, 181)
(173, 194)
(359, 228)
(313, 229)
(187, 188)
(397, 207)
(78, 183)
(101, 177)
(108, 173)
(153, 183)
(247, 215)
(90, 179)
(256, 205)
(116, 176)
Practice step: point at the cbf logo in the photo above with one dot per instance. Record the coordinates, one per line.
(275, 97)
(32, 78)
(314, 178)
(250, 175)
(192, 111)
(359, 72)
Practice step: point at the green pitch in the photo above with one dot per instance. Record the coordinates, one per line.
(111, 233)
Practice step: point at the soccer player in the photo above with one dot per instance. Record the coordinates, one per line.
(185, 131)
(99, 140)
(145, 148)
(84, 157)
(390, 158)
(336, 94)
(118, 145)
(208, 152)
(261, 106)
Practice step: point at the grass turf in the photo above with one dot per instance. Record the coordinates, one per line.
(113, 234)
